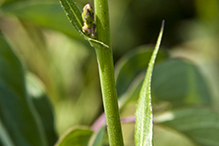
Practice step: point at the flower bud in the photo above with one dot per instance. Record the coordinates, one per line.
(88, 15)
(86, 29)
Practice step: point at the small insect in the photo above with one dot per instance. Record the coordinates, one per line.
(88, 19)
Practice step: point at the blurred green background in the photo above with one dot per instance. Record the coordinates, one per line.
(50, 48)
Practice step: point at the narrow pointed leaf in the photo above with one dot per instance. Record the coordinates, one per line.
(144, 123)
(74, 15)
(97, 44)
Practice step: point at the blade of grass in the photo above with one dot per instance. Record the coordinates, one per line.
(144, 117)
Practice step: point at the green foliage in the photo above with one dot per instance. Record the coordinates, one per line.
(42, 13)
(55, 63)
(74, 15)
(18, 106)
(129, 71)
(76, 136)
(43, 107)
(198, 124)
(186, 80)
(97, 139)
(144, 116)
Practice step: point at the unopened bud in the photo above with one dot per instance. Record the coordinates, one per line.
(88, 14)
(86, 30)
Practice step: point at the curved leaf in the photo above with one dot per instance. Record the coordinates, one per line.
(200, 125)
(18, 119)
(97, 139)
(76, 137)
(144, 124)
(43, 107)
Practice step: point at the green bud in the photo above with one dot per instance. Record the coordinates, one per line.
(86, 29)
(88, 15)
(91, 32)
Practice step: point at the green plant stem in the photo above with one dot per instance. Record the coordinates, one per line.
(106, 72)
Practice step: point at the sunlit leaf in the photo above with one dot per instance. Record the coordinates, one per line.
(19, 123)
(76, 136)
(144, 123)
(43, 107)
(200, 125)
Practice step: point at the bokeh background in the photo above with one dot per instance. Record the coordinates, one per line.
(51, 49)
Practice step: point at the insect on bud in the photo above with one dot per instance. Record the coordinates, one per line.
(88, 14)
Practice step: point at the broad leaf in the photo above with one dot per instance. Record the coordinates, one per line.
(8, 2)
(97, 139)
(166, 136)
(19, 123)
(42, 13)
(132, 64)
(200, 125)
(43, 107)
(75, 137)
(179, 81)
(144, 123)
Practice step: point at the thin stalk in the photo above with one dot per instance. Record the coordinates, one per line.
(106, 72)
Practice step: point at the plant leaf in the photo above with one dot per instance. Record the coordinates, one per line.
(130, 72)
(179, 81)
(98, 137)
(200, 125)
(132, 64)
(74, 15)
(19, 122)
(97, 44)
(75, 136)
(166, 136)
(43, 107)
(42, 13)
(144, 123)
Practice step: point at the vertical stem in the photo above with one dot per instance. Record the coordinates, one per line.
(106, 72)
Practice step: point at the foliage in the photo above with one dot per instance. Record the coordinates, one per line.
(49, 78)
